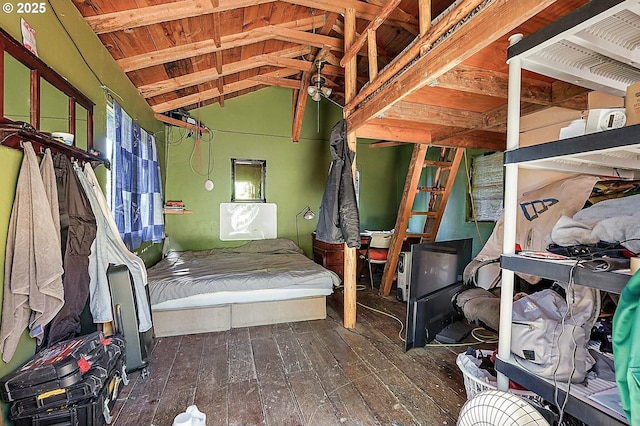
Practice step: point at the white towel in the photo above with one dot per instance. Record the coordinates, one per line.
(108, 248)
(33, 261)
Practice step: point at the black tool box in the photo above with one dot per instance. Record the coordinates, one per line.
(59, 366)
(87, 412)
(85, 376)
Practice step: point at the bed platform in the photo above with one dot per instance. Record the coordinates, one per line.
(176, 322)
(261, 282)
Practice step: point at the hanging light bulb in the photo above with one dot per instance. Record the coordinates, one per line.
(326, 91)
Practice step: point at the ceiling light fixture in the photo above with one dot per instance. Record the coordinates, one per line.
(317, 88)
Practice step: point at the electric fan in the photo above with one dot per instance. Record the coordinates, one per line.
(498, 408)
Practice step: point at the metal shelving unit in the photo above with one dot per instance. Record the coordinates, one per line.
(596, 47)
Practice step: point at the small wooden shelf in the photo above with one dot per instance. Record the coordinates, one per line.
(170, 211)
(174, 122)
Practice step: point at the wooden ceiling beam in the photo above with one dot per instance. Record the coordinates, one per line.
(404, 23)
(281, 61)
(395, 130)
(303, 37)
(287, 83)
(363, 10)
(204, 47)
(149, 15)
(301, 100)
(200, 77)
(214, 93)
(370, 30)
(492, 22)
(218, 54)
(496, 143)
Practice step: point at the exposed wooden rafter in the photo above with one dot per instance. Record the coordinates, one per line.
(230, 41)
(495, 19)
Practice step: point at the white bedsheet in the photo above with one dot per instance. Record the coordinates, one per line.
(276, 264)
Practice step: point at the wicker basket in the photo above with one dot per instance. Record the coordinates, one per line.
(474, 385)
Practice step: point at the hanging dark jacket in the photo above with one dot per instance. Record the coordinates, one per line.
(338, 220)
(78, 230)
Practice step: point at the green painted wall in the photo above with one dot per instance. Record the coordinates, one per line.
(57, 51)
(258, 126)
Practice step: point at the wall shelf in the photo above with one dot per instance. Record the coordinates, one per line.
(13, 134)
(179, 123)
(171, 211)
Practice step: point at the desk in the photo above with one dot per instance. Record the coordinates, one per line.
(331, 256)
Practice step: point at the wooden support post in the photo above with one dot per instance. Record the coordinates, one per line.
(424, 15)
(350, 76)
(372, 50)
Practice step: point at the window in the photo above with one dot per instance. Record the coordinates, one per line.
(248, 179)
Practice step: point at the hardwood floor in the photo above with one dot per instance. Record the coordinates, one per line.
(307, 373)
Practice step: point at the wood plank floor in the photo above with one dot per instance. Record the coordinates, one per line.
(306, 373)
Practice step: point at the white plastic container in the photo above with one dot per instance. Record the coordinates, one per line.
(576, 128)
(66, 138)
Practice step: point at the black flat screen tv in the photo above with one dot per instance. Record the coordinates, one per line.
(436, 275)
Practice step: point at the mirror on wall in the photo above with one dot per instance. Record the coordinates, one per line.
(248, 179)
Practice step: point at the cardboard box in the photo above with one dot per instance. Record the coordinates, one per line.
(632, 104)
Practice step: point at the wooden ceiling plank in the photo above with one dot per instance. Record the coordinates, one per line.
(208, 46)
(492, 22)
(192, 79)
(404, 132)
(148, 15)
(372, 26)
(214, 93)
(422, 113)
(481, 81)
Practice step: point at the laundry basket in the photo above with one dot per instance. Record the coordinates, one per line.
(474, 385)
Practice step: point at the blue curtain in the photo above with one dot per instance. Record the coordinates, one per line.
(137, 207)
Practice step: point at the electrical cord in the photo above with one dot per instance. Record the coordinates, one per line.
(388, 315)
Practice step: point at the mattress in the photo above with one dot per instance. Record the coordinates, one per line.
(260, 270)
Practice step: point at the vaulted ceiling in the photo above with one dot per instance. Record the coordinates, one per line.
(426, 71)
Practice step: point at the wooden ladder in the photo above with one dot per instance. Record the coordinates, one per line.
(446, 167)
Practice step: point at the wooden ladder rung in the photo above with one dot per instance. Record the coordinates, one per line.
(434, 189)
(434, 163)
(416, 235)
(424, 213)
